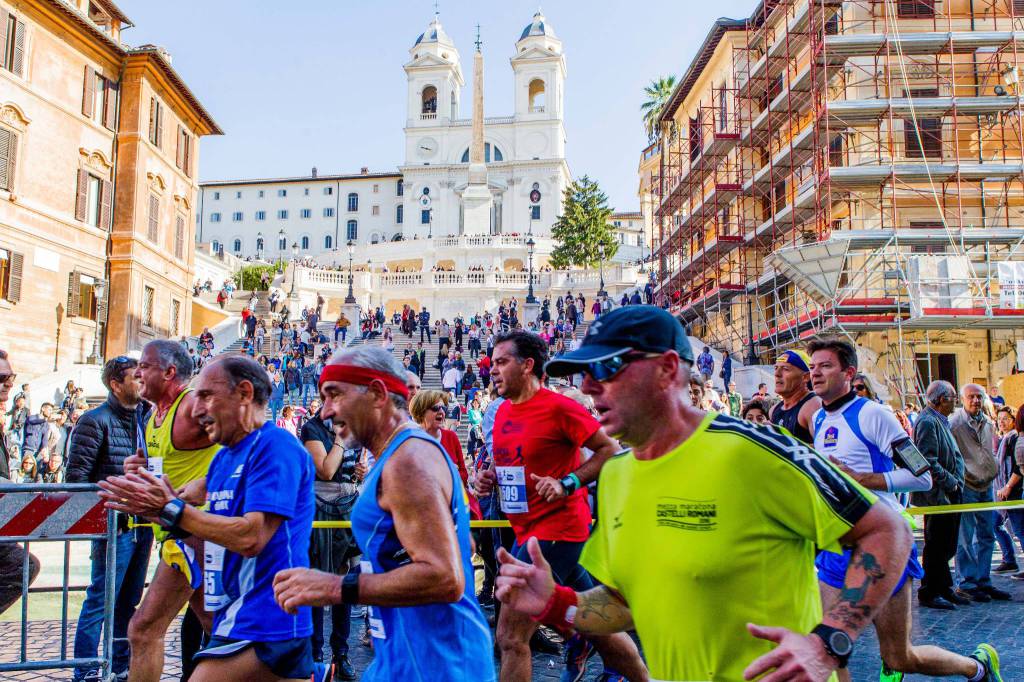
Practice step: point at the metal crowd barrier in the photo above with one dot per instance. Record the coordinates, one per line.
(52, 512)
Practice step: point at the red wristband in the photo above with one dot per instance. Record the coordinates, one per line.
(560, 611)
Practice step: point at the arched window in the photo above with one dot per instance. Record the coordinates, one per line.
(399, 213)
(429, 100)
(238, 246)
(328, 242)
(353, 202)
(282, 244)
(498, 156)
(215, 245)
(352, 230)
(259, 244)
(374, 238)
(305, 243)
(537, 96)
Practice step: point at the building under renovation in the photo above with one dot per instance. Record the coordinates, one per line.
(850, 167)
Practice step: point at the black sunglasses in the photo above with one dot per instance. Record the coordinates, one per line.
(603, 370)
(860, 387)
(439, 408)
(4, 378)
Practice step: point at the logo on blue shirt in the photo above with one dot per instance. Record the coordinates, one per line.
(831, 437)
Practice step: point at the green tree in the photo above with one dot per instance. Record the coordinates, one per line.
(657, 94)
(583, 226)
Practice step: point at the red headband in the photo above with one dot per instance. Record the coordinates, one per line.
(363, 376)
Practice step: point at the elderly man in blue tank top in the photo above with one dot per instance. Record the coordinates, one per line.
(411, 523)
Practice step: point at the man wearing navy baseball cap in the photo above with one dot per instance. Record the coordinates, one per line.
(707, 524)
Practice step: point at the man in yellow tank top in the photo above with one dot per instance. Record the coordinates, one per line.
(180, 450)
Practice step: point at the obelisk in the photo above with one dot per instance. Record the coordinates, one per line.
(476, 197)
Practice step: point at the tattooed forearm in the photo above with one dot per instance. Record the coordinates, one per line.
(859, 596)
(601, 611)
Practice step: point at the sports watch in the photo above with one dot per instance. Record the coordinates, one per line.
(171, 514)
(570, 484)
(837, 643)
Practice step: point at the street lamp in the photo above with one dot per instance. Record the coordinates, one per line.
(430, 223)
(600, 265)
(295, 266)
(530, 298)
(280, 248)
(351, 297)
(94, 357)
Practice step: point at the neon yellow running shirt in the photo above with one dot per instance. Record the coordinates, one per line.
(179, 466)
(719, 532)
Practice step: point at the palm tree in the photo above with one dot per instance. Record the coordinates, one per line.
(657, 94)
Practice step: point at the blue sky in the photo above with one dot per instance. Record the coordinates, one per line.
(320, 83)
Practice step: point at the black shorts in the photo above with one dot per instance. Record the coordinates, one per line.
(564, 558)
(288, 658)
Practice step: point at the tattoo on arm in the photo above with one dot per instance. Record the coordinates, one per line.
(602, 611)
(852, 608)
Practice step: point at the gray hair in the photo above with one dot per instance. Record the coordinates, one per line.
(980, 389)
(937, 390)
(239, 368)
(173, 354)
(378, 359)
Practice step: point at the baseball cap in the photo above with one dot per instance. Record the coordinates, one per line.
(640, 328)
(797, 358)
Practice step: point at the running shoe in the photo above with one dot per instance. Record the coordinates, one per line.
(987, 655)
(322, 672)
(578, 651)
(888, 675)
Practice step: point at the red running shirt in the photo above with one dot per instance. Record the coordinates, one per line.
(542, 436)
(453, 448)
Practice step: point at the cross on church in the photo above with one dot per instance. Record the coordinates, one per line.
(437, 9)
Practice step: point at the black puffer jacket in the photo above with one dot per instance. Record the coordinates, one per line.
(103, 438)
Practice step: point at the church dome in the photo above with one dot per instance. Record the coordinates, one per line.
(434, 34)
(538, 27)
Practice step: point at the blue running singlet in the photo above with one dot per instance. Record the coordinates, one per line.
(421, 643)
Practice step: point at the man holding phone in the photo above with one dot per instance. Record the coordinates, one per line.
(866, 441)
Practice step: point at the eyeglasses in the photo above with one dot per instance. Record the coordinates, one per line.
(603, 370)
(860, 387)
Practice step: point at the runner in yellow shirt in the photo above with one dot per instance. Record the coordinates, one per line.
(179, 449)
(709, 526)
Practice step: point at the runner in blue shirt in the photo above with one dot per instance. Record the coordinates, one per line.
(259, 493)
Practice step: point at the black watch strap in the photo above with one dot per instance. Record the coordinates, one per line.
(350, 589)
(837, 643)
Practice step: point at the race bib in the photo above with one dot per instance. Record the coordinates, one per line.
(155, 466)
(372, 615)
(214, 596)
(512, 487)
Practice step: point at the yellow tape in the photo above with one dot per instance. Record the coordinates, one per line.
(913, 511)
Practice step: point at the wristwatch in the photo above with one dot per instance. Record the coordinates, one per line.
(837, 643)
(570, 483)
(171, 514)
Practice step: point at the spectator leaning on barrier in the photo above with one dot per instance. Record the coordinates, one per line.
(104, 437)
(935, 441)
(12, 555)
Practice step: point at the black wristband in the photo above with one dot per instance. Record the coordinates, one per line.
(350, 589)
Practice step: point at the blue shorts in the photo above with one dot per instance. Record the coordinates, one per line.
(832, 568)
(288, 658)
(564, 558)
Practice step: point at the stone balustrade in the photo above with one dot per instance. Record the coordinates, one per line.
(617, 276)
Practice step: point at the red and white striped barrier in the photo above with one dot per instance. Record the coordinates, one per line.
(47, 515)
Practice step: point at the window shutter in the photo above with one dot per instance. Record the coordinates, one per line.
(74, 294)
(179, 237)
(187, 167)
(5, 19)
(8, 151)
(159, 124)
(154, 217)
(110, 106)
(152, 120)
(18, 57)
(82, 199)
(106, 189)
(89, 92)
(14, 283)
(179, 153)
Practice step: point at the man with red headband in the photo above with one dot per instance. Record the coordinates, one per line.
(411, 523)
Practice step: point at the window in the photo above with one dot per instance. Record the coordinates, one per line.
(375, 210)
(353, 202)
(835, 151)
(184, 153)
(92, 202)
(260, 194)
(376, 188)
(175, 316)
(148, 296)
(399, 211)
(696, 143)
(328, 241)
(909, 9)
(425, 217)
(923, 141)
(282, 192)
(282, 214)
(328, 191)
(12, 55)
(374, 238)
(723, 109)
(156, 123)
(238, 195)
(329, 212)
(153, 218)
(429, 100)
(216, 196)
(215, 217)
(261, 215)
(305, 243)
(82, 299)
(179, 237)
(238, 246)
(498, 156)
(400, 188)
(352, 230)
(305, 192)
(99, 98)
(236, 216)
(8, 155)
(306, 213)
(11, 267)
(536, 95)
(216, 245)
(535, 212)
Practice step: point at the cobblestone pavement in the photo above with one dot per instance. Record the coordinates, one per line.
(1001, 624)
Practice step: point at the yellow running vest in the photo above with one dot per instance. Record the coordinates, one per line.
(179, 466)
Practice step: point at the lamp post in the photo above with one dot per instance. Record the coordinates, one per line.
(643, 243)
(350, 299)
(56, 348)
(530, 298)
(94, 357)
(295, 266)
(280, 248)
(430, 223)
(600, 265)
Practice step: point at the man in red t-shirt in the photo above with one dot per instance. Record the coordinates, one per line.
(542, 490)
